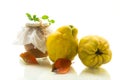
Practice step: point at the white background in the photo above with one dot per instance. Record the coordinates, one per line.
(97, 17)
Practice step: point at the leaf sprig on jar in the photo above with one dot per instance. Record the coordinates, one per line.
(35, 18)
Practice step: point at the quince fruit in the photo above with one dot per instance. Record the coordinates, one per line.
(94, 51)
(62, 45)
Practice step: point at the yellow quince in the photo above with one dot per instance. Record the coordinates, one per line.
(94, 51)
(63, 43)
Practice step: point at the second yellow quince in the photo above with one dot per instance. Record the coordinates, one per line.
(94, 51)
(63, 43)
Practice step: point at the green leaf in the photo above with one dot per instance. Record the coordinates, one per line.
(52, 21)
(45, 17)
(34, 16)
(29, 16)
(36, 19)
